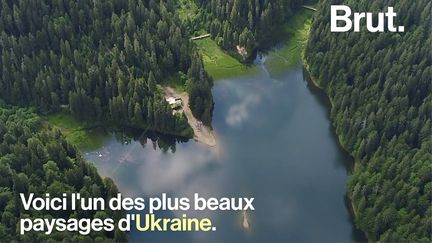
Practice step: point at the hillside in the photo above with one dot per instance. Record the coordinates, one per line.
(100, 60)
(379, 84)
(36, 158)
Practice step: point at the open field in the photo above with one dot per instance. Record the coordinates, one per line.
(293, 38)
(76, 132)
(219, 64)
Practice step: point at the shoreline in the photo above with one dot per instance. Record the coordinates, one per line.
(86, 130)
(351, 205)
(352, 209)
(202, 133)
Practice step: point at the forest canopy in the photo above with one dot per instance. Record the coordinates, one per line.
(101, 60)
(36, 158)
(380, 85)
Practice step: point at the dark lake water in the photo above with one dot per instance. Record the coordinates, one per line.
(276, 144)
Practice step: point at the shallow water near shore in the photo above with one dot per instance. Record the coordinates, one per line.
(275, 143)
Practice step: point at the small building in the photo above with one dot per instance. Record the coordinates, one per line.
(242, 51)
(174, 102)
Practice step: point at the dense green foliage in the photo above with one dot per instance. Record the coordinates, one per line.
(102, 60)
(200, 96)
(246, 23)
(380, 86)
(35, 158)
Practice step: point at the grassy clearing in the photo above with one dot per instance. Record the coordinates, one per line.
(219, 64)
(76, 132)
(176, 81)
(295, 33)
(187, 10)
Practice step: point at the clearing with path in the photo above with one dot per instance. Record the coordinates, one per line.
(202, 133)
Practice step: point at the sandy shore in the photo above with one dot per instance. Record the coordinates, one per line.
(202, 134)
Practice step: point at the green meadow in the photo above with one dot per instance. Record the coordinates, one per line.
(294, 36)
(76, 132)
(219, 64)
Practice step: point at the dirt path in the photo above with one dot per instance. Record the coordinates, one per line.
(203, 134)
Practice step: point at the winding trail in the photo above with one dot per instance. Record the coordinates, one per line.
(202, 133)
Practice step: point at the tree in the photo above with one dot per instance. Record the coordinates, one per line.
(379, 103)
(56, 177)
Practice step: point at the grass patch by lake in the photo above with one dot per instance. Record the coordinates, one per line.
(295, 35)
(292, 36)
(82, 135)
(219, 64)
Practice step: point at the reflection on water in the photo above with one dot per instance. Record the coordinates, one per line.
(275, 144)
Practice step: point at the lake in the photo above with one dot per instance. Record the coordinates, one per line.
(276, 144)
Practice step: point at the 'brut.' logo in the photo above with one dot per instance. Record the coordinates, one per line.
(343, 23)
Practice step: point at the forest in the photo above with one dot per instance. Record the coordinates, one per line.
(36, 158)
(101, 61)
(380, 87)
(104, 61)
(248, 24)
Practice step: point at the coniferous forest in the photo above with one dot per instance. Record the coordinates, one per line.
(380, 87)
(105, 62)
(100, 59)
(36, 158)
